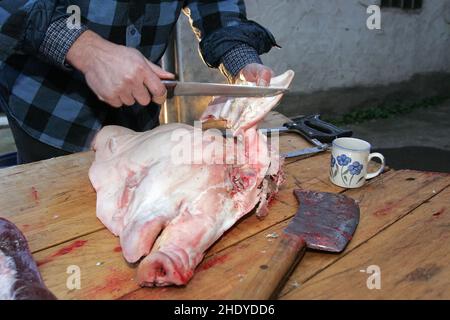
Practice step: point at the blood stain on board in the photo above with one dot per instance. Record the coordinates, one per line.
(35, 195)
(117, 249)
(214, 261)
(386, 210)
(154, 293)
(272, 201)
(63, 251)
(439, 213)
(423, 273)
(113, 284)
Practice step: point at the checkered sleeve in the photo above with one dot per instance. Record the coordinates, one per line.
(237, 58)
(226, 36)
(58, 39)
(24, 23)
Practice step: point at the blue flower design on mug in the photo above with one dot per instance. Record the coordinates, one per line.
(355, 168)
(343, 160)
(343, 166)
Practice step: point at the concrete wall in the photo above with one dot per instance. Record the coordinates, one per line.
(340, 63)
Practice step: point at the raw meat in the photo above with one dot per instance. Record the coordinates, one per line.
(170, 193)
(19, 276)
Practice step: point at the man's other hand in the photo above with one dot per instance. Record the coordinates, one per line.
(257, 73)
(118, 75)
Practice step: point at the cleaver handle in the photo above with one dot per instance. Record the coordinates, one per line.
(273, 272)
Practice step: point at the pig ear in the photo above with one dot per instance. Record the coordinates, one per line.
(283, 80)
(101, 139)
(112, 145)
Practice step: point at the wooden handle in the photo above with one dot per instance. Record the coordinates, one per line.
(271, 276)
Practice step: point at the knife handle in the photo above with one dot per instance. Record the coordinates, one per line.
(266, 282)
(312, 127)
(170, 87)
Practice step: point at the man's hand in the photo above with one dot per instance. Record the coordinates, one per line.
(257, 73)
(118, 75)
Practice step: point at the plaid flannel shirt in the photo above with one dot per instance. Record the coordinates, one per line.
(52, 102)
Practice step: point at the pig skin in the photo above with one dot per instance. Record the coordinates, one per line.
(171, 212)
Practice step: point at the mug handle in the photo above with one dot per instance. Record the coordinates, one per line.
(379, 171)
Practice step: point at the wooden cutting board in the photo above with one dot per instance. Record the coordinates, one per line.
(53, 203)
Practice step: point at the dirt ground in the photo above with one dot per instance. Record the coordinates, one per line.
(419, 140)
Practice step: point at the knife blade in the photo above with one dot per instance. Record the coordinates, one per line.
(304, 152)
(177, 88)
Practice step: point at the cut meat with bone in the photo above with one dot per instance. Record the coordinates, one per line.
(244, 113)
(170, 193)
(19, 275)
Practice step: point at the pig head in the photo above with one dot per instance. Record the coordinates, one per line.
(170, 193)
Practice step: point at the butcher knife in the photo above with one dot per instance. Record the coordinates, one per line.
(324, 222)
(177, 88)
(320, 133)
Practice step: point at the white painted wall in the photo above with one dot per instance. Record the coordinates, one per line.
(329, 46)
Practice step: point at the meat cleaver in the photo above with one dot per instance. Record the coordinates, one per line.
(324, 222)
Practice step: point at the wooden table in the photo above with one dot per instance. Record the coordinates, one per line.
(404, 230)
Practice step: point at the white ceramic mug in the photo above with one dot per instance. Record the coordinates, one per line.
(349, 160)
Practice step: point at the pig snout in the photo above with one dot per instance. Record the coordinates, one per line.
(161, 269)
